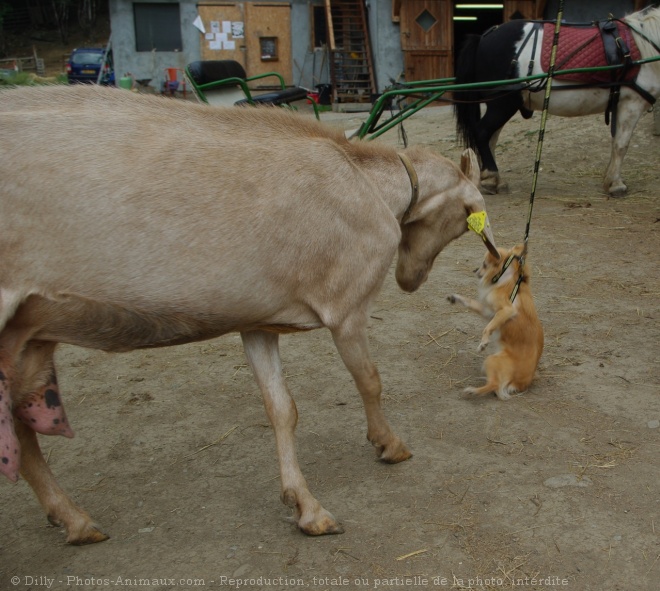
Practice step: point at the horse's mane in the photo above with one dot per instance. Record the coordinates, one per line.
(646, 21)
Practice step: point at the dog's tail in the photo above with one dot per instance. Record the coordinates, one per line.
(503, 391)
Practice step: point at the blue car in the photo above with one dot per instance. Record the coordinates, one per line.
(86, 63)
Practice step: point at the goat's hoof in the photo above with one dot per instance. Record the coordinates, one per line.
(323, 524)
(394, 453)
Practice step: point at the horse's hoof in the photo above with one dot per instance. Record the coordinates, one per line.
(618, 191)
(616, 188)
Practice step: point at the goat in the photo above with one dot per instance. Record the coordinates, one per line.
(181, 222)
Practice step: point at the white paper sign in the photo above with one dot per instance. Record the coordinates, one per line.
(199, 24)
(237, 29)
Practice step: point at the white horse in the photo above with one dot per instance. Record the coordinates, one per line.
(516, 50)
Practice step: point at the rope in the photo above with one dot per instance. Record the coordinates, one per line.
(539, 144)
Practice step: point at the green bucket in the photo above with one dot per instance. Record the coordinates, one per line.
(126, 82)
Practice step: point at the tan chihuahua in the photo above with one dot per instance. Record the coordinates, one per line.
(515, 326)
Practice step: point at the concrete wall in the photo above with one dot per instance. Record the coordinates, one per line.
(309, 68)
(151, 64)
(385, 43)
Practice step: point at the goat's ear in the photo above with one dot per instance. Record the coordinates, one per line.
(470, 166)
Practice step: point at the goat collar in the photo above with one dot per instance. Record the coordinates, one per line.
(414, 182)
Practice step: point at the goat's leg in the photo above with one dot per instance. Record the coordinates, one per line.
(59, 508)
(351, 342)
(262, 351)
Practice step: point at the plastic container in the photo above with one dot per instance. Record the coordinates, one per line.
(126, 82)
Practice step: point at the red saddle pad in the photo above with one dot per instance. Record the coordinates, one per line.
(582, 47)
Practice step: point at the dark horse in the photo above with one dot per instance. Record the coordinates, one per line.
(517, 50)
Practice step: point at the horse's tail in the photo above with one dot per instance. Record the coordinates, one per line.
(467, 110)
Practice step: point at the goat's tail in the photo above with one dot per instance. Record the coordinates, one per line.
(466, 106)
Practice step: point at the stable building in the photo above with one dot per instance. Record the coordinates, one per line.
(357, 47)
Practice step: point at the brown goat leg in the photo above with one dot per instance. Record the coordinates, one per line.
(59, 508)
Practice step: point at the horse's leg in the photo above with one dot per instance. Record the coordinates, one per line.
(487, 179)
(498, 112)
(262, 351)
(630, 109)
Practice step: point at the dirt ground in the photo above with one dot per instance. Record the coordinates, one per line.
(556, 488)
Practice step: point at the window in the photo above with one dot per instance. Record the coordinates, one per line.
(268, 47)
(319, 27)
(157, 27)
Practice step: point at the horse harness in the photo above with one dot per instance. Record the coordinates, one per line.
(617, 52)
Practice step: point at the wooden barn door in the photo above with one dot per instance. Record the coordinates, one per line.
(224, 38)
(427, 39)
(268, 39)
(523, 9)
(255, 34)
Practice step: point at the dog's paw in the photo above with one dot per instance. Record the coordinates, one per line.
(452, 298)
(482, 345)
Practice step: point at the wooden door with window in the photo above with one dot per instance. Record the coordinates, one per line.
(255, 34)
(268, 39)
(427, 39)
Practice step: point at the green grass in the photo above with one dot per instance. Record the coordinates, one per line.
(28, 79)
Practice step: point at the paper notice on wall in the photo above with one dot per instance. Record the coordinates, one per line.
(223, 33)
(199, 24)
(237, 29)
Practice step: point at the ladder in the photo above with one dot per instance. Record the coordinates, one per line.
(351, 63)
